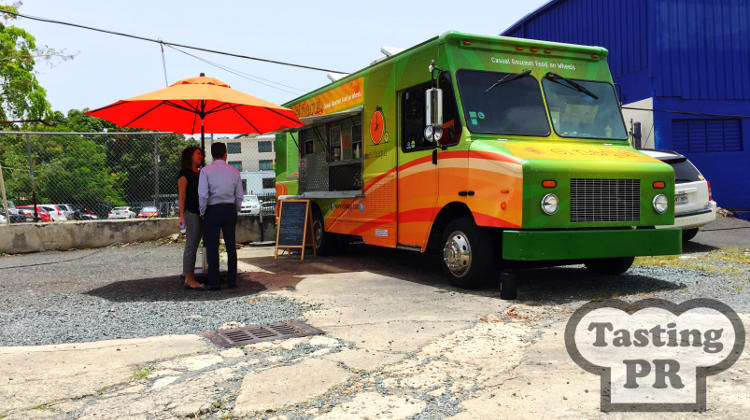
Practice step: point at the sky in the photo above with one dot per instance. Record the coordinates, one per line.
(339, 35)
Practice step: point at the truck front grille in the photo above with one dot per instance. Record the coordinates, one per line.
(605, 200)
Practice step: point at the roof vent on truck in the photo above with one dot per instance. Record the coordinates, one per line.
(387, 52)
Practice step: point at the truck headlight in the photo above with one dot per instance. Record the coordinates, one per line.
(660, 203)
(550, 203)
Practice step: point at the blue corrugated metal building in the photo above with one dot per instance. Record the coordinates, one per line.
(672, 55)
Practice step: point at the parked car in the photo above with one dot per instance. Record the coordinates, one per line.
(44, 216)
(122, 213)
(100, 209)
(84, 214)
(19, 215)
(67, 210)
(148, 212)
(3, 220)
(56, 213)
(268, 207)
(694, 206)
(13, 214)
(250, 205)
(168, 208)
(171, 209)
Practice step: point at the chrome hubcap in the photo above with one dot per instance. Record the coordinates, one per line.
(457, 254)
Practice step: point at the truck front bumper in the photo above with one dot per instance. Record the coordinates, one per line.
(554, 245)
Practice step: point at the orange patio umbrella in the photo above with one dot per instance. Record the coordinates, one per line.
(200, 104)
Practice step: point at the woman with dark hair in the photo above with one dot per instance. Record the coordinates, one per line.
(187, 188)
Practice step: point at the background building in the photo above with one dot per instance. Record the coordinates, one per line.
(691, 56)
(253, 156)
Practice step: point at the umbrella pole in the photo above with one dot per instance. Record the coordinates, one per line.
(203, 143)
(204, 265)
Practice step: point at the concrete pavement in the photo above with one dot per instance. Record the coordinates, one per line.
(399, 343)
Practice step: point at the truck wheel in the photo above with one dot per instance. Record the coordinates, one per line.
(468, 254)
(689, 234)
(610, 265)
(325, 243)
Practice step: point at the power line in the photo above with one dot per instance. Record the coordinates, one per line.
(235, 71)
(174, 44)
(248, 76)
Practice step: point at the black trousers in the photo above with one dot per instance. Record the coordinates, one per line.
(220, 217)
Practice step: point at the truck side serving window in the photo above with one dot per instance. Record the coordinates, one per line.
(413, 119)
(493, 106)
(307, 138)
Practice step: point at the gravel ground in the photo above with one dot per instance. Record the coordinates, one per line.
(119, 292)
(132, 291)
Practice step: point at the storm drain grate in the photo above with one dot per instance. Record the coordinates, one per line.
(259, 333)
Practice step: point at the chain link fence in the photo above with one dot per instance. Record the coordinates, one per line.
(94, 176)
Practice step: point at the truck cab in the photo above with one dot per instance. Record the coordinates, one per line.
(485, 150)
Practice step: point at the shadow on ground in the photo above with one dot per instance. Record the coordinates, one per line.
(691, 247)
(172, 289)
(542, 286)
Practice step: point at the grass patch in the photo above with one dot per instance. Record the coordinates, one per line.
(2, 416)
(733, 255)
(217, 404)
(41, 407)
(720, 261)
(141, 373)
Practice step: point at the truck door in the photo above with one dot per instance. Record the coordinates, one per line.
(417, 170)
(453, 160)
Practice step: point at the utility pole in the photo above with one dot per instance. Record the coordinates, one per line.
(31, 177)
(5, 200)
(156, 173)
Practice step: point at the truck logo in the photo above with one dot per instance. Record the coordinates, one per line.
(377, 127)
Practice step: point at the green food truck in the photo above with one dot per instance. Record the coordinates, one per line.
(488, 151)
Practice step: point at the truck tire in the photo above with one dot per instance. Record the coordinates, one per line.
(468, 254)
(610, 265)
(689, 234)
(325, 243)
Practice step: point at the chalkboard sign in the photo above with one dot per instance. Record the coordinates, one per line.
(294, 226)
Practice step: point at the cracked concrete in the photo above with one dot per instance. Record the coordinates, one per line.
(392, 349)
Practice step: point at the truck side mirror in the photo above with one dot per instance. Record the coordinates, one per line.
(433, 114)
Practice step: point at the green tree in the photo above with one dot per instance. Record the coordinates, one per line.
(85, 170)
(22, 97)
(91, 171)
(67, 169)
(131, 156)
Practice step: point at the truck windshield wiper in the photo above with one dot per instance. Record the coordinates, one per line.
(570, 84)
(508, 78)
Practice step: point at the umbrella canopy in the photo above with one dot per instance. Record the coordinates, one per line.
(200, 104)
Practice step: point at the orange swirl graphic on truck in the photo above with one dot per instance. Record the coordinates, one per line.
(487, 170)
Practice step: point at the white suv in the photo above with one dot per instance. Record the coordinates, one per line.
(122, 213)
(692, 194)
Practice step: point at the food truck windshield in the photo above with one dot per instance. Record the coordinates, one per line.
(512, 104)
